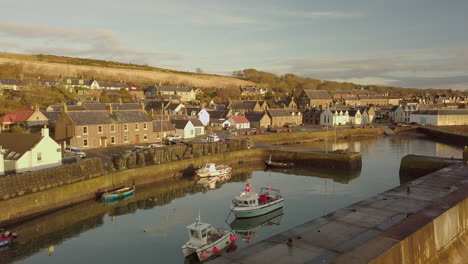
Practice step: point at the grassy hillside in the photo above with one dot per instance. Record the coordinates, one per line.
(51, 67)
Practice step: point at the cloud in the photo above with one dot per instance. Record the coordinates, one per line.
(221, 19)
(79, 42)
(368, 81)
(325, 14)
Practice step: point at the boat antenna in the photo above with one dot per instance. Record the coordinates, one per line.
(198, 218)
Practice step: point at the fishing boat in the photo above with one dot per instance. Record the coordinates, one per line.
(212, 138)
(251, 204)
(271, 163)
(206, 241)
(119, 193)
(6, 238)
(210, 170)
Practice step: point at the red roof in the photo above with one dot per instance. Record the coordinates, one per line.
(17, 116)
(240, 119)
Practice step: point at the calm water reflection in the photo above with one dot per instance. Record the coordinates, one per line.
(150, 227)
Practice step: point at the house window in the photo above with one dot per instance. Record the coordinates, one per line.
(85, 130)
(112, 128)
(145, 126)
(145, 137)
(125, 127)
(112, 140)
(39, 156)
(125, 139)
(85, 142)
(137, 127)
(99, 129)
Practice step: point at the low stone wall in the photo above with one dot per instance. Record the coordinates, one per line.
(301, 137)
(415, 166)
(452, 138)
(15, 185)
(153, 156)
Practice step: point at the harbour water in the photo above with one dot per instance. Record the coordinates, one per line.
(150, 226)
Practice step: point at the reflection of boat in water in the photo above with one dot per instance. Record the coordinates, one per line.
(119, 193)
(278, 164)
(206, 241)
(116, 201)
(247, 228)
(210, 170)
(251, 204)
(210, 182)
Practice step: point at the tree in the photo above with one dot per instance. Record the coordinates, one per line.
(198, 70)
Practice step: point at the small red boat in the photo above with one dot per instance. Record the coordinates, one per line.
(6, 238)
(270, 163)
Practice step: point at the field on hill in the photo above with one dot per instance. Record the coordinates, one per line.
(48, 66)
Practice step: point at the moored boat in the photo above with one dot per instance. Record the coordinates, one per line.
(206, 241)
(251, 204)
(6, 238)
(271, 163)
(210, 170)
(119, 193)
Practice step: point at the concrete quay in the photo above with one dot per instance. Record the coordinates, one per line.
(423, 221)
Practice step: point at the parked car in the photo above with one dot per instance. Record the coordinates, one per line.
(172, 137)
(76, 151)
(271, 129)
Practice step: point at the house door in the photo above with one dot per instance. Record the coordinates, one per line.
(137, 139)
(103, 142)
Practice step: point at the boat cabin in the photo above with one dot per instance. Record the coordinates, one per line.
(246, 199)
(198, 233)
(209, 167)
(212, 138)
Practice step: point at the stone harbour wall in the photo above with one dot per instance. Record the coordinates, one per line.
(15, 185)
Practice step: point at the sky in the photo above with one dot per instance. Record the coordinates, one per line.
(407, 43)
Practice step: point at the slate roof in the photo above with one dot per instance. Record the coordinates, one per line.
(95, 106)
(249, 105)
(112, 84)
(393, 109)
(126, 106)
(192, 110)
(14, 145)
(317, 94)
(254, 117)
(180, 124)
(196, 122)
(173, 88)
(103, 117)
(173, 106)
(179, 117)
(166, 125)
(218, 114)
(52, 116)
(9, 81)
(170, 96)
(130, 116)
(155, 105)
(277, 112)
(353, 112)
(17, 116)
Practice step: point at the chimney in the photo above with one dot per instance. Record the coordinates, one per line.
(45, 131)
(64, 107)
(109, 108)
(142, 105)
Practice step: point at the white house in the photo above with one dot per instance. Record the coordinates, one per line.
(2, 164)
(184, 128)
(198, 126)
(200, 114)
(445, 117)
(355, 117)
(402, 113)
(28, 152)
(334, 117)
(239, 122)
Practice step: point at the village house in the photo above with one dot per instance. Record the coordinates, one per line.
(102, 128)
(373, 100)
(238, 122)
(184, 128)
(26, 118)
(199, 127)
(185, 93)
(279, 117)
(218, 117)
(246, 106)
(258, 119)
(296, 115)
(368, 114)
(288, 102)
(162, 128)
(445, 117)
(20, 152)
(402, 114)
(175, 109)
(249, 90)
(311, 116)
(198, 113)
(114, 85)
(314, 98)
(354, 117)
(10, 84)
(334, 117)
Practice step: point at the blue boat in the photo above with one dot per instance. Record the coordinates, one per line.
(119, 193)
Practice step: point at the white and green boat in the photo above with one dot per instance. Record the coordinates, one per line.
(251, 204)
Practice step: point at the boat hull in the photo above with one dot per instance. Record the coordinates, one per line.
(6, 241)
(278, 164)
(243, 212)
(114, 196)
(203, 174)
(222, 243)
